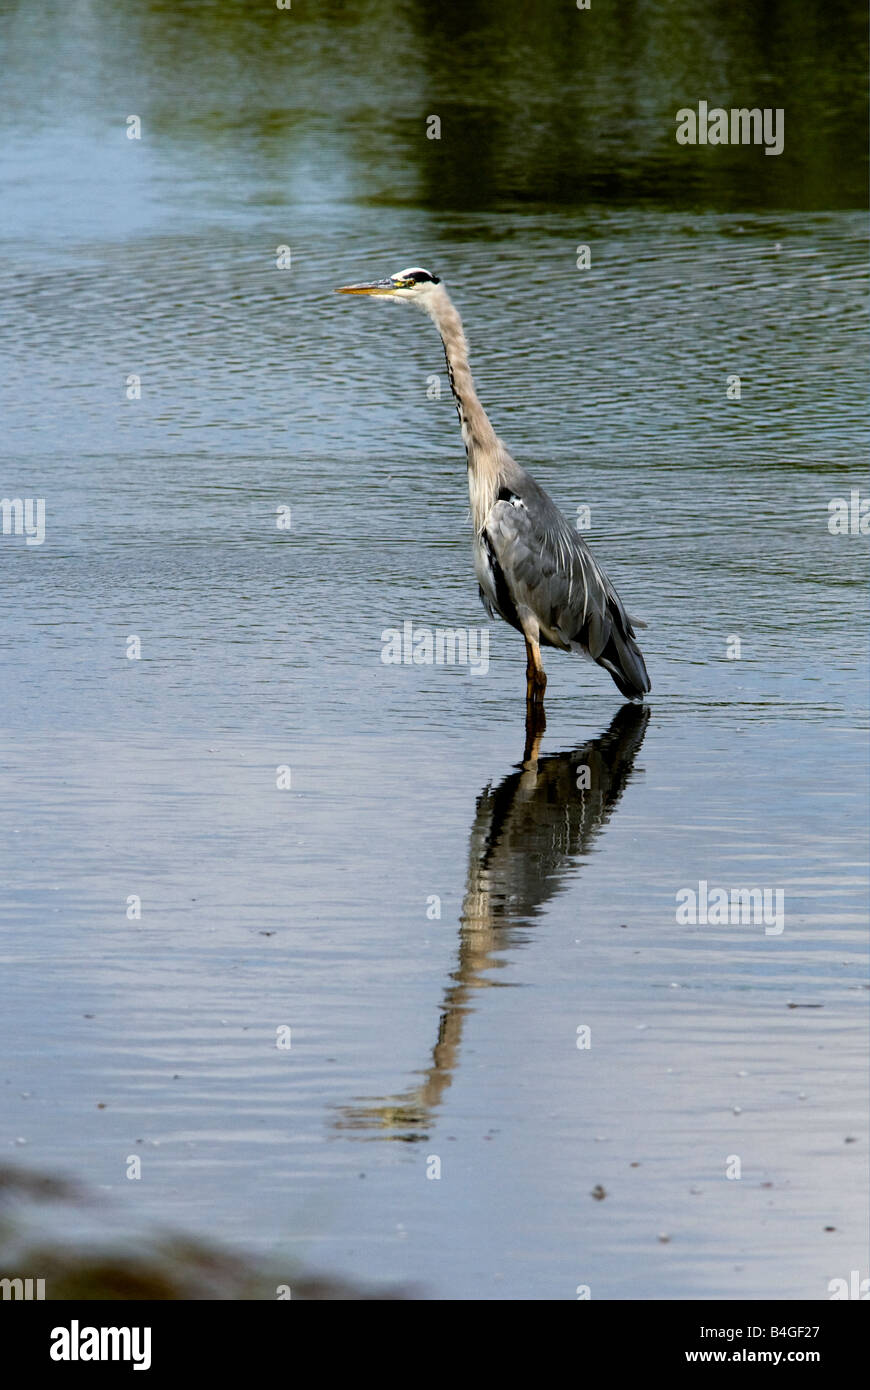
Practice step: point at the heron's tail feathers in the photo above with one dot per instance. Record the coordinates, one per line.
(607, 636)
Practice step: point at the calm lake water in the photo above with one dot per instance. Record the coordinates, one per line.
(432, 921)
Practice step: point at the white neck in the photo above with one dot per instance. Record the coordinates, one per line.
(483, 448)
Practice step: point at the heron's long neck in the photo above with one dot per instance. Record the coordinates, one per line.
(482, 446)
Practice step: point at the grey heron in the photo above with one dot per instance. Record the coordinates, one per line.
(533, 567)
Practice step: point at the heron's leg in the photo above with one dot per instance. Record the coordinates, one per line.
(536, 678)
(536, 723)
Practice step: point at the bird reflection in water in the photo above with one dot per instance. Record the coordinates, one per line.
(528, 833)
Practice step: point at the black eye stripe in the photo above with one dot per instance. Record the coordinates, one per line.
(419, 277)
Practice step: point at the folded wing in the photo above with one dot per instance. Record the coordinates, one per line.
(535, 562)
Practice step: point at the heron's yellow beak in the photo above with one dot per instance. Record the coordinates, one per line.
(374, 287)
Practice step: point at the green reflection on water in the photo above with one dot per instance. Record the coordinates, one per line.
(542, 104)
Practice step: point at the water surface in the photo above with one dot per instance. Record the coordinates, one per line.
(417, 1036)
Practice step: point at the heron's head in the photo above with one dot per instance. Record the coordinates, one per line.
(414, 285)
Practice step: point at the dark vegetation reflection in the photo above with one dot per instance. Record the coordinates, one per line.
(541, 104)
(528, 833)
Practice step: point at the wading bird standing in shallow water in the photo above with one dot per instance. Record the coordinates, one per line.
(532, 566)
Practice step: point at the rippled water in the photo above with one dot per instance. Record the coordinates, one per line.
(316, 907)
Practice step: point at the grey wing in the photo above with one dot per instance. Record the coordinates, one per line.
(542, 568)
